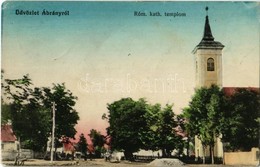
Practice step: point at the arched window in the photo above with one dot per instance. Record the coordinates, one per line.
(210, 64)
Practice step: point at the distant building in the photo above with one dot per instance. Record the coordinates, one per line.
(9, 143)
(8, 139)
(68, 146)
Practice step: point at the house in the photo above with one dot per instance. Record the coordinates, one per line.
(68, 146)
(9, 143)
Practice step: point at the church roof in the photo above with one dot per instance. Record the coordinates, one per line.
(7, 134)
(229, 91)
(207, 31)
(207, 41)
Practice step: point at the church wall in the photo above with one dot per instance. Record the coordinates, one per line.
(218, 148)
(242, 158)
(207, 78)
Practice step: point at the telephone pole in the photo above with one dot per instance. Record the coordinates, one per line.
(53, 130)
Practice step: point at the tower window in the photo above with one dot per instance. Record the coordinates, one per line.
(210, 64)
(196, 66)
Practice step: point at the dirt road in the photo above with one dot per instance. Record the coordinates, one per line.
(98, 163)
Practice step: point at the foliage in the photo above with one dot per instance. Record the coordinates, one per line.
(5, 108)
(126, 119)
(184, 128)
(203, 115)
(167, 139)
(30, 111)
(5, 113)
(28, 116)
(149, 136)
(66, 116)
(82, 144)
(98, 141)
(160, 133)
(235, 117)
(138, 125)
(240, 128)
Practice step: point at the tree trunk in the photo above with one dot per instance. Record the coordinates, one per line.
(163, 153)
(212, 154)
(188, 146)
(128, 155)
(168, 152)
(203, 156)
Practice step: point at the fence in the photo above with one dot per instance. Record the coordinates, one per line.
(9, 155)
(144, 158)
(242, 158)
(27, 152)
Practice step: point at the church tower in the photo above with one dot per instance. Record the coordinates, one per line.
(208, 59)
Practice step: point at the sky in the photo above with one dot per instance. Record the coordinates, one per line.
(103, 53)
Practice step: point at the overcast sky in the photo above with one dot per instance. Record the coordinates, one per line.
(102, 52)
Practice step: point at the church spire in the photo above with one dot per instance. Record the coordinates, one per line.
(208, 41)
(207, 30)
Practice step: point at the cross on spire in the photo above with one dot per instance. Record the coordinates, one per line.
(207, 8)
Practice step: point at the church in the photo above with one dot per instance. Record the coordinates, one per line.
(208, 71)
(208, 59)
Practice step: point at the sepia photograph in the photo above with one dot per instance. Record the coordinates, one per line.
(130, 83)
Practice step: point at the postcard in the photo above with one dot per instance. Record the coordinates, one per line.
(67, 67)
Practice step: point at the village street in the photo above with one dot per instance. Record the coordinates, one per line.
(102, 162)
(142, 81)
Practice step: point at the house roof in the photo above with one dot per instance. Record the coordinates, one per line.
(179, 131)
(7, 134)
(91, 148)
(68, 147)
(229, 91)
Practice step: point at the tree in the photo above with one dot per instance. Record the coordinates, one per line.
(166, 133)
(184, 128)
(204, 116)
(5, 113)
(30, 111)
(215, 109)
(241, 124)
(160, 131)
(98, 141)
(138, 125)
(5, 108)
(66, 116)
(127, 123)
(82, 144)
(150, 137)
(28, 116)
